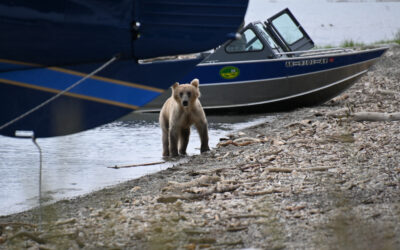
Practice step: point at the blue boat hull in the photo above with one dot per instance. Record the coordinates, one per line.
(75, 32)
(96, 101)
(48, 46)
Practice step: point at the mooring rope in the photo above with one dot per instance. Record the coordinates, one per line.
(60, 93)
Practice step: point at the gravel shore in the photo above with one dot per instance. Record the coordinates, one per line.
(313, 178)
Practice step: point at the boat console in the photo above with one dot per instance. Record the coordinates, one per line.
(275, 38)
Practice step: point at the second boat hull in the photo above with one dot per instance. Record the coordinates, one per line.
(282, 92)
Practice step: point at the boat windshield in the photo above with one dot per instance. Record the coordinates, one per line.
(287, 28)
(247, 42)
(266, 36)
(287, 32)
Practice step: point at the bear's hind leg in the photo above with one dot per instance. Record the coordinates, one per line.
(184, 140)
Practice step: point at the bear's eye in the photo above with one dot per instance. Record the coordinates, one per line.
(181, 94)
(188, 94)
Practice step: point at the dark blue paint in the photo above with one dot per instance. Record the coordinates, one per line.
(165, 24)
(64, 115)
(81, 35)
(71, 31)
(62, 32)
(77, 109)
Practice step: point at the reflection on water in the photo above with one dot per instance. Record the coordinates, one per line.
(77, 164)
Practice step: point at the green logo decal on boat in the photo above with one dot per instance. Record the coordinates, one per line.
(229, 72)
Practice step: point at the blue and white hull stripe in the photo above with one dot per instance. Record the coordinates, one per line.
(96, 88)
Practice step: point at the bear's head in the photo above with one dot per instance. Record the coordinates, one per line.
(186, 94)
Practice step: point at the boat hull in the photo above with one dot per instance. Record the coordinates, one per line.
(119, 89)
(47, 47)
(284, 86)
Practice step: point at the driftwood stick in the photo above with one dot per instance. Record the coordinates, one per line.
(230, 243)
(248, 140)
(67, 221)
(376, 116)
(226, 143)
(171, 198)
(387, 92)
(264, 192)
(28, 235)
(190, 197)
(244, 141)
(138, 165)
(340, 98)
(280, 170)
(246, 216)
(73, 234)
(247, 166)
(289, 170)
(314, 169)
(203, 180)
(17, 224)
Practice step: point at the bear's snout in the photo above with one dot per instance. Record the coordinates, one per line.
(185, 103)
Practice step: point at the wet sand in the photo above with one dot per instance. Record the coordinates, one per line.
(313, 178)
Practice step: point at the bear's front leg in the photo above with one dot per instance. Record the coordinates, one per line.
(173, 141)
(165, 142)
(184, 140)
(203, 132)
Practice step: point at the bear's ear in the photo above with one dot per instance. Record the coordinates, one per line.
(195, 82)
(175, 85)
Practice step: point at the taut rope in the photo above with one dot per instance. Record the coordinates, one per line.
(60, 93)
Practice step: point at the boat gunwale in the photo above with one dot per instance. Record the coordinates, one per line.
(345, 53)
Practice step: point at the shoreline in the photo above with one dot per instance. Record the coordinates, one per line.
(311, 178)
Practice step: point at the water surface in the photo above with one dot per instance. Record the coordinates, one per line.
(77, 164)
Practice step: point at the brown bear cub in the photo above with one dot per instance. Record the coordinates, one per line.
(178, 114)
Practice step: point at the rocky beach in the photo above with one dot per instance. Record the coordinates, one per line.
(325, 177)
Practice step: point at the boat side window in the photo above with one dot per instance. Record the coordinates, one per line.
(287, 28)
(247, 42)
(266, 36)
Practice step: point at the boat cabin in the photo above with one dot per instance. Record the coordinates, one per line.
(279, 36)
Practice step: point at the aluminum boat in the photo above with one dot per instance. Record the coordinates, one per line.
(272, 67)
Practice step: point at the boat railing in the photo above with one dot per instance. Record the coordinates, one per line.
(170, 58)
(315, 52)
